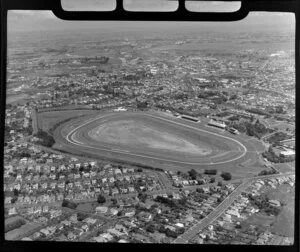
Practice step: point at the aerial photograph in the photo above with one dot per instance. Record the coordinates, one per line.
(150, 132)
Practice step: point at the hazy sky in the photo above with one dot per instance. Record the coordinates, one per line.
(19, 20)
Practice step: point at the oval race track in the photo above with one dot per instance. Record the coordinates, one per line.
(75, 137)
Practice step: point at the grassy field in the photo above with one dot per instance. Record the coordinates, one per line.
(283, 224)
(285, 167)
(86, 207)
(259, 220)
(10, 220)
(257, 144)
(22, 231)
(47, 120)
(136, 133)
(283, 126)
(15, 99)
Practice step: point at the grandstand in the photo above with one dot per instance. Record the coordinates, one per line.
(217, 124)
(194, 119)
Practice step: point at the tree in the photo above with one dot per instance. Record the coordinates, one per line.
(14, 200)
(69, 204)
(161, 229)
(193, 174)
(182, 201)
(212, 180)
(114, 201)
(200, 182)
(171, 233)
(220, 183)
(81, 216)
(45, 138)
(199, 190)
(16, 192)
(101, 199)
(150, 228)
(219, 228)
(142, 196)
(180, 230)
(226, 175)
(64, 203)
(210, 172)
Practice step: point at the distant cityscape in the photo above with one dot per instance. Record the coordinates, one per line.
(237, 87)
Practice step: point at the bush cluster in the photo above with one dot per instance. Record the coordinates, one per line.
(226, 175)
(272, 157)
(45, 138)
(262, 203)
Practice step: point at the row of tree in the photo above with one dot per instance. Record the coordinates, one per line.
(193, 174)
(171, 202)
(69, 204)
(267, 172)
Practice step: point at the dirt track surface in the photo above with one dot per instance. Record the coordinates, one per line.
(153, 139)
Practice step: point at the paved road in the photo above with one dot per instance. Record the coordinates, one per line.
(190, 233)
(268, 135)
(288, 140)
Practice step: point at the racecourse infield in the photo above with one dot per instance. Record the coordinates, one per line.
(153, 139)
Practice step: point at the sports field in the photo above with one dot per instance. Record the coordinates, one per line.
(157, 140)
